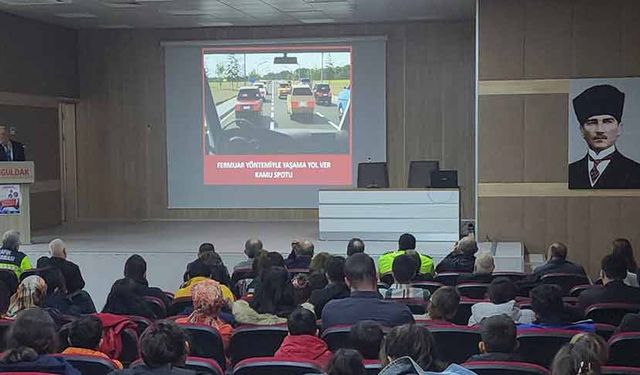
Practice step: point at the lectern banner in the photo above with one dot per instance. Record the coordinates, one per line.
(10, 198)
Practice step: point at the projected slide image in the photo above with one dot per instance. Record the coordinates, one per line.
(292, 103)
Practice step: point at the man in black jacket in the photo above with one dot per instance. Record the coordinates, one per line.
(336, 289)
(71, 272)
(461, 259)
(499, 342)
(10, 150)
(599, 113)
(557, 262)
(613, 273)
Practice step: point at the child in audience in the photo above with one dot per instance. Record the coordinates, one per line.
(404, 269)
(366, 337)
(303, 342)
(84, 338)
(593, 343)
(499, 341)
(502, 294)
(575, 360)
(207, 303)
(346, 362)
(443, 305)
(31, 339)
(547, 304)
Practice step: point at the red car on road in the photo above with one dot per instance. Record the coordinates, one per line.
(248, 102)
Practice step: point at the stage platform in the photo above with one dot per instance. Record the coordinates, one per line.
(101, 248)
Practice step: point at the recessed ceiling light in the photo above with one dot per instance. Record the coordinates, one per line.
(34, 2)
(76, 15)
(317, 20)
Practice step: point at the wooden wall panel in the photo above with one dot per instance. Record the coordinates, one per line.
(121, 129)
(502, 38)
(630, 36)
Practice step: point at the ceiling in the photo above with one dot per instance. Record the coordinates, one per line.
(116, 14)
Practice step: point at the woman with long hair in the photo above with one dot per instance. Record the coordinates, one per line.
(622, 248)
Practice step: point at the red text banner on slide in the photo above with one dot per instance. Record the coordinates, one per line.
(308, 169)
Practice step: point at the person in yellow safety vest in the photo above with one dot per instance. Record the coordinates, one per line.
(406, 242)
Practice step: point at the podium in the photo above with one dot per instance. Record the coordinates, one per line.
(16, 178)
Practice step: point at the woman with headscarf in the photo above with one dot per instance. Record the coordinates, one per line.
(31, 293)
(208, 300)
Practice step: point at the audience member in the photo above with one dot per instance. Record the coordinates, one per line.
(204, 248)
(482, 270)
(70, 271)
(317, 280)
(499, 342)
(443, 305)
(260, 262)
(84, 338)
(354, 246)
(56, 296)
(11, 258)
(301, 288)
(164, 348)
(406, 242)
(251, 248)
(31, 340)
(300, 256)
(593, 343)
(411, 349)
(365, 302)
(404, 270)
(31, 293)
(462, 258)
(502, 294)
(303, 342)
(557, 262)
(346, 362)
(272, 303)
(575, 360)
(550, 311)
(277, 260)
(613, 273)
(219, 271)
(123, 300)
(630, 323)
(335, 289)
(207, 302)
(366, 337)
(135, 268)
(5, 299)
(622, 248)
(202, 271)
(319, 262)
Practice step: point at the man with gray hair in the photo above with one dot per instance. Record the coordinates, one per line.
(462, 258)
(482, 270)
(70, 271)
(301, 254)
(11, 258)
(251, 248)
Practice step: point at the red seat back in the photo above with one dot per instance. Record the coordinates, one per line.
(448, 278)
(205, 342)
(255, 341)
(87, 364)
(473, 290)
(456, 343)
(566, 281)
(505, 368)
(610, 313)
(539, 346)
(270, 366)
(623, 349)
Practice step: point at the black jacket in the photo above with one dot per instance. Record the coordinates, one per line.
(146, 370)
(556, 265)
(17, 150)
(621, 173)
(614, 291)
(71, 272)
(496, 356)
(143, 289)
(457, 262)
(320, 297)
(482, 278)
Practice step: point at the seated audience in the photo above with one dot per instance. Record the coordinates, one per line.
(272, 303)
(303, 343)
(11, 258)
(31, 293)
(499, 342)
(575, 360)
(365, 302)
(300, 256)
(207, 302)
(404, 270)
(30, 342)
(201, 271)
(248, 286)
(202, 249)
(550, 311)
(164, 348)
(56, 296)
(301, 288)
(84, 338)
(443, 305)
(251, 248)
(502, 294)
(622, 248)
(354, 246)
(411, 349)
(123, 300)
(366, 337)
(406, 242)
(70, 271)
(557, 262)
(593, 343)
(264, 260)
(135, 268)
(276, 259)
(318, 270)
(462, 258)
(335, 289)
(613, 273)
(346, 362)
(482, 270)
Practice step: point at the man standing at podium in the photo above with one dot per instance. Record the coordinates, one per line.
(10, 150)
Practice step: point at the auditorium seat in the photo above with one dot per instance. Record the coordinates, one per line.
(576, 290)
(514, 276)
(4, 328)
(372, 366)
(141, 323)
(180, 306)
(202, 366)
(610, 313)
(295, 271)
(87, 364)
(566, 281)
(255, 341)
(541, 345)
(205, 342)
(464, 311)
(270, 366)
(157, 306)
(473, 290)
(620, 370)
(417, 306)
(623, 349)
(447, 278)
(337, 337)
(431, 286)
(505, 368)
(456, 343)
(129, 351)
(242, 273)
(605, 330)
